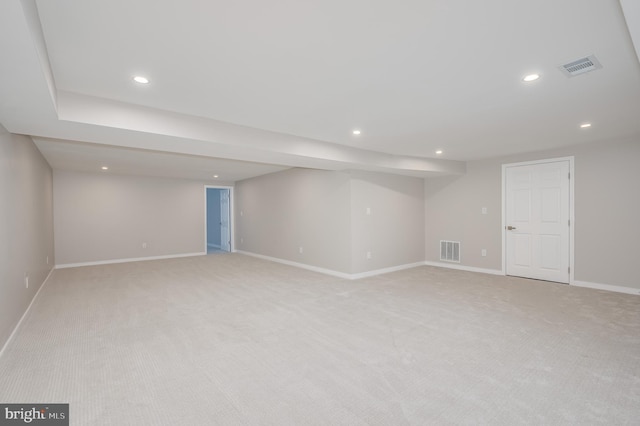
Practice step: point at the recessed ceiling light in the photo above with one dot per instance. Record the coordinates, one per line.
(356, 132)
(104, 168)
(215, 176)
(140, 79)
(439, 152)
(585, 125)
(530, 77)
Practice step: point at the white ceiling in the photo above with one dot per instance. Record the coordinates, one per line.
(284, 83)
(88, 157)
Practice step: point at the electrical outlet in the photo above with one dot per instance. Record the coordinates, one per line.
(144, 245)
(484, 210)
(47, 260)
(484, 252)
(300, 250)
(26, 280)
(367, 211)
(241, 240)
(368, 255)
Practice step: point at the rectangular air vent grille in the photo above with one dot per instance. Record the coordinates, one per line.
(450, 251)
(581, 66)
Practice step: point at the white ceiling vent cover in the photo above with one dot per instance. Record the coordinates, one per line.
(450, 251)
(581, 66)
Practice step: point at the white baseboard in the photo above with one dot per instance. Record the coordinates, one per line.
(597, 286)
(133, 259)
(331, 272)
(463, 268)
(15, 329)
(385, 270)
(608, 287)
(297, 265)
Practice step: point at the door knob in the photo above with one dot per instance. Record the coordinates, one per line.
(511, 228)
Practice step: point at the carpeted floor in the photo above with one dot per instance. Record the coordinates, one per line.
(233, 340)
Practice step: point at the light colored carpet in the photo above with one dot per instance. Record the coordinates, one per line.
(232, 340)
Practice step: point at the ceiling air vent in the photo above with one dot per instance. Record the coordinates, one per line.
(581, 66)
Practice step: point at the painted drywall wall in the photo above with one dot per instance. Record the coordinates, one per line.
(104, 217)
(387, 221)
(26, 226)
(607, 205)
(453, 212)
(213, 217)
(607, 202)
(336, 217)
(279, 213)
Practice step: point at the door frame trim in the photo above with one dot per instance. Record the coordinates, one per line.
(571, 160)
(232, 222)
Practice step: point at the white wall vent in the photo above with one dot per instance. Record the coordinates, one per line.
(450, 251)
(580, 66)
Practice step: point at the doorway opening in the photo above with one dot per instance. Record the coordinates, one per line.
(218, 214)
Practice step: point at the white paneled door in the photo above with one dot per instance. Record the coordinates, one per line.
(537, 213)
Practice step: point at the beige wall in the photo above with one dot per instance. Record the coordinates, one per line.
(393, 231)
(26, 226)
(324, 212)
(607, 202)
(102, 217)
(278, 213)
(453, 211)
